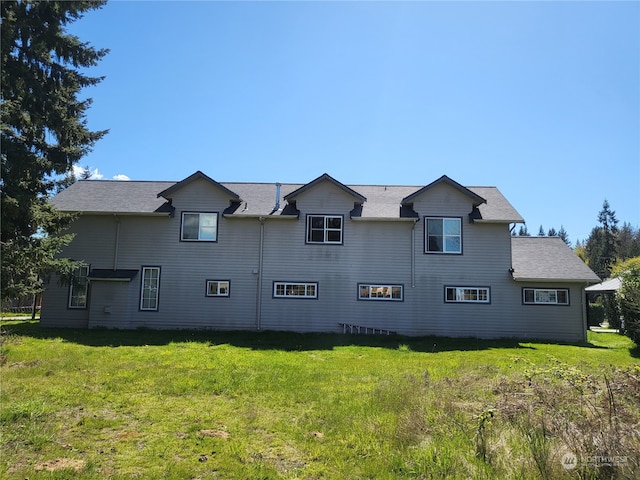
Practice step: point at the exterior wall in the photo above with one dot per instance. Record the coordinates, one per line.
(373, 252)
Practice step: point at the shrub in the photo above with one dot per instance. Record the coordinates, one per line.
(628, 299)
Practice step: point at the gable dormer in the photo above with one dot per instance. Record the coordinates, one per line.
(443, 196)
(198, 191)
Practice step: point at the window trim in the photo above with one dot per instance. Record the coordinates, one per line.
(189, 212)
(324, 229)
(285, 284)
(456, 288)
(426, 235)
(157, 296)
(555, 289)
(86, 289)
(206, 290)
(390, 286)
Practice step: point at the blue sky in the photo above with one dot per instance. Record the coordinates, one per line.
(541, 99)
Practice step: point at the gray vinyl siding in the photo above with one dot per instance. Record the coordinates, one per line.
(373, 251)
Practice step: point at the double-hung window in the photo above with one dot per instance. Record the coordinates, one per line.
(295, 290)
(199, 227)
(380, 292)
(150, 288)
(467, 295)
(324, 229)
(217, 288)
(79, 287)
(545, 296)
(443, 235)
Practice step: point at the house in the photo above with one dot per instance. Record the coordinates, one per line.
(316, 257)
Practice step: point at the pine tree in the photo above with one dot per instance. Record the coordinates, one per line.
(541, 232)
(601, 246)
(562, 233)
(43, 132)
(552, 232)
(523, 232)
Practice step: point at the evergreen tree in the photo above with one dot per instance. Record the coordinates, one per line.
(601, 246)
(43, 132)
(523, 232)
(628, 242)
(562, 233)
(541, 232)
(552, 232)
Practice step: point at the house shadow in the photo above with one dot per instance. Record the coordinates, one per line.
(271, 340)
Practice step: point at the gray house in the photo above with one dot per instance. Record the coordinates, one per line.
(317, 257)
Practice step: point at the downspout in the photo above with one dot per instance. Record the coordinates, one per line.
(413, 254)
(259, 280)
(585, 325)
(117, 245)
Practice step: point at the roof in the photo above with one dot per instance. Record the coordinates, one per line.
(611, 285)
(259, 199)
(547, 259)
(113, 196)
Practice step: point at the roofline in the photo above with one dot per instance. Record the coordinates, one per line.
(322, 178)
(556, 280)
(453, 183)
(385, 219)
(123, 214)
(263, 216)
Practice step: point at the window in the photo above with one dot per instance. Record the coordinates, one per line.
(544, 296)
(444, 235)
(150, 288)
(79, 287)
(199, 227)
(324, 229)
(380, 292)
(217, 288)
(467, 295)
(295, 290)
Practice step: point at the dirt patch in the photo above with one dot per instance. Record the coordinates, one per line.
(214, 433)
(61, 464)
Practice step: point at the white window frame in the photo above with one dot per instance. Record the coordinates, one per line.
(217, 288)
(295, 289)
(149, 291)
(444, 236)
(327, 229)
(545, 296)
(79, 288)
(463, 294)
(380, 292)
(201, 228)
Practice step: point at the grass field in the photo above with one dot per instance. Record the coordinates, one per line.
(198, 405)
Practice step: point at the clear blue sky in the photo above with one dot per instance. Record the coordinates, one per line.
(541, 99)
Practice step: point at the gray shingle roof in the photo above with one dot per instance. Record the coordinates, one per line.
(131, 197)
(547, 259)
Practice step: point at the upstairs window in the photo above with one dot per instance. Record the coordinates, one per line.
(443, 235)
(199, 227)
(79, 287)
(545, 296)
(324, 229)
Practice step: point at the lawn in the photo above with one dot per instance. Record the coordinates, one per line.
(198, 405)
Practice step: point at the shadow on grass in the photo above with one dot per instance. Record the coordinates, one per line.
(269, 340)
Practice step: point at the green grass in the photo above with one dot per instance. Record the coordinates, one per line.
(186, 405)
